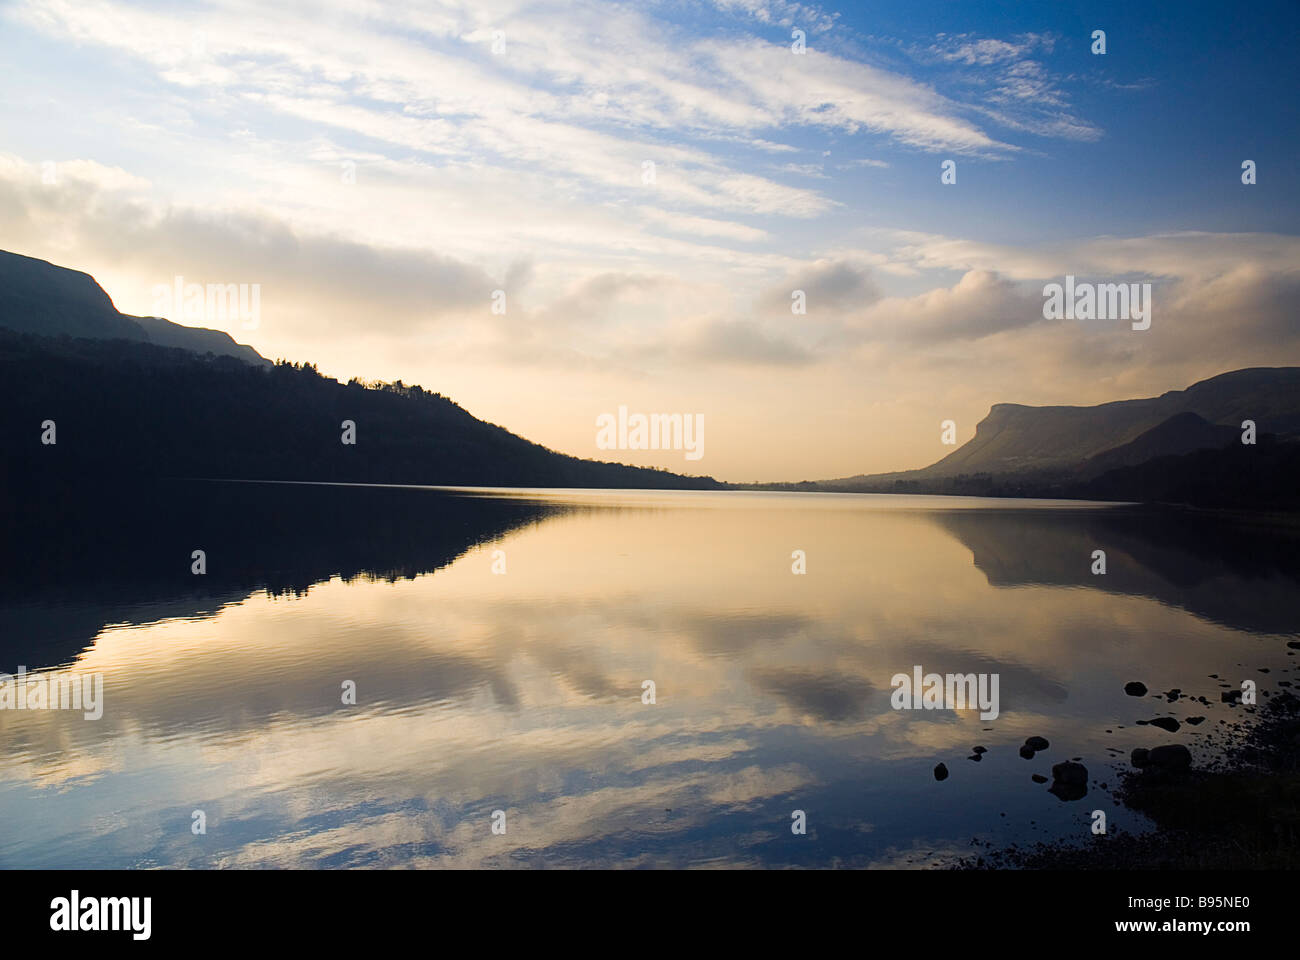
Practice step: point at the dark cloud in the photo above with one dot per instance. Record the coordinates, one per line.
(830, 288)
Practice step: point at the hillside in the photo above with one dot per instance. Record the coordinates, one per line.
(1182, 433)
(132, 409)
(145, 397)
(41, 298)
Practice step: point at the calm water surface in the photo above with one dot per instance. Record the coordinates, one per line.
(522, 692)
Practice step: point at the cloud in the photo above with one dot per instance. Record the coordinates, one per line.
(604, 298)
(986, 51)
(980, 304)
(702, 226)
(1179, 254)
(819, 89)
(831, 288)
(323, 279)
(433, 84)
(743, 343)
(1015, 90)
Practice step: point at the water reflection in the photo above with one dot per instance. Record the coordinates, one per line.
(522, 691)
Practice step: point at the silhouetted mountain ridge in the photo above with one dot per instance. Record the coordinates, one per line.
(145, 397)
(123, 408)
(48, 300)
(1182, 433)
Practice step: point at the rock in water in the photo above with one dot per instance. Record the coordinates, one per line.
(1027, 752)
(1171, 757)
(941, 772)
(1066, 792)
(1140, 757)
(1038, 778)
(1069, 781)
(1071, 773)
(1135, 688)
(1037, 743)
(1166, 723)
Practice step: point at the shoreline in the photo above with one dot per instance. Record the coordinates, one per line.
(1239, 811)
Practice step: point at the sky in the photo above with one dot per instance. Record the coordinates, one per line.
(550, 210)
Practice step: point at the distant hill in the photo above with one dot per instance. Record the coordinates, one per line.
(41, 298)
(1181, 447)
(1015, 437)
(1018, 439)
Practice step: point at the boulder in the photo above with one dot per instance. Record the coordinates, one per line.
(1070, 773)
(1171, 757)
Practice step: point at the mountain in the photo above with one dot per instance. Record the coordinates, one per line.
(127, 409)
(1182, 433)
(1015, 437)
(1183, 447)
(41, 298)
(141, 397)
(197, 340)
(1259, 477)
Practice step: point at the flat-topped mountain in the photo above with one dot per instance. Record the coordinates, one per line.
(1014, 437)
(48, 300)
(1183, 447)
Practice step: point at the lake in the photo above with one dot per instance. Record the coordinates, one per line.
(499, 642)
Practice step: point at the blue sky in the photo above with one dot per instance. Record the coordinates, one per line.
(143, 141)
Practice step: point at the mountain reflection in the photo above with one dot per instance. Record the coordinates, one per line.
(1243, 575)
(79, 558)
(522, 690)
